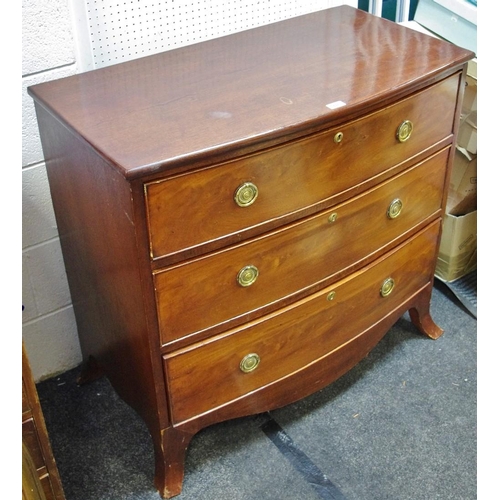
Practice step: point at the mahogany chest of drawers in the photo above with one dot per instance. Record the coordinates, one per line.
(243, 219)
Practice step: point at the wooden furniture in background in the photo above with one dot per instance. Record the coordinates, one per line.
(41, 479)
(242, 220)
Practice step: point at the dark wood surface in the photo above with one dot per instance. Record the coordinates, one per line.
(299, 177)
(150, 233)
(222, 98)
(296, 337)
(296, 260)
(105, 265)
(41, 480)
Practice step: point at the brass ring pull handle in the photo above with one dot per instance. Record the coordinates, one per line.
(395, 208)
(246, 194)
(387, 287)
(247, 276)
(404, 131)
(249, 363)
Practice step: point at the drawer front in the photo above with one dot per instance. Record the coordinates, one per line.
(209, 291)
(30, 438)
(203, 207)
(208, 375)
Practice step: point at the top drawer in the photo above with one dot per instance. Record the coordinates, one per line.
(217, 204)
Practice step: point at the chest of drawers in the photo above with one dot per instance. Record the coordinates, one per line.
(242, 220)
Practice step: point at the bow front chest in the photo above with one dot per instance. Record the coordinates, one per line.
(243, 219)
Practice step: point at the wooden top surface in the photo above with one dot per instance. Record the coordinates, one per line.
(230, 95)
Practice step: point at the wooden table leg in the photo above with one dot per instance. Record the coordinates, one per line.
(170, 454)
(421, 317)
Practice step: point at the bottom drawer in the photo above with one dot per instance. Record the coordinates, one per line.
(223, 368)
(30, 438)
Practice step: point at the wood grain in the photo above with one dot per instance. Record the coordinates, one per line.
(294, 260)
(217, 99)
(296, 176)
(143, 160)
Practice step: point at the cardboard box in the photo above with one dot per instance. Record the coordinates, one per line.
(467, 132)
(472, 68)
(462, 194)
(456, 21)
(458, 250)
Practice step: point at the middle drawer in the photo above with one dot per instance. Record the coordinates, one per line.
(222, 287)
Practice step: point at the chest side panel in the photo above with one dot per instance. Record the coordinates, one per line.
(97, 227)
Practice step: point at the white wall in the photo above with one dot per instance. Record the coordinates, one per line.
(49, 330)
(57, 42)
